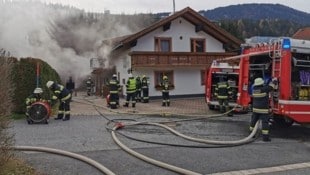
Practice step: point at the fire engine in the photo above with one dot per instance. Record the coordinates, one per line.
(216, 72)
(283, 58)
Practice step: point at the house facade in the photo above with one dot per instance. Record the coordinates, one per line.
(180, 46)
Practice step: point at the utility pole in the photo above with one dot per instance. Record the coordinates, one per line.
(173, 6)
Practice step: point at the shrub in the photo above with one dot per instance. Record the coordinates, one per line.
(6, 90)
(25, 80)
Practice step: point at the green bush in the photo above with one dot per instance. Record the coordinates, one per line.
(25, 80)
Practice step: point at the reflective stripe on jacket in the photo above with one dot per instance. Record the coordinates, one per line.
(61, 93)
(131, 85)
(114, 86)
(165, 86)
(261, 99)
(222, 90)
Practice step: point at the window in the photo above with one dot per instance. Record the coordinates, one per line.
(163, 44)
(159, 78)
(198, 45)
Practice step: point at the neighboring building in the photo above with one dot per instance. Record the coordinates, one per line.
(303, 33)
(180, 46)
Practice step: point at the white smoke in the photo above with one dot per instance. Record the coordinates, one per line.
(25, 32)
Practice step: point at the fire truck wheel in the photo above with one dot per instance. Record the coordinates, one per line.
(211, 107)
(283, 122)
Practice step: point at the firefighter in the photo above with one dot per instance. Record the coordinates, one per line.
(70, 85)
(89, 86)
(114, 88)
(165, 91)
(222, 92)
(131, 91)
(145, 89)
(261, 105)
(138, 89)
(63, 95)
(34, 97)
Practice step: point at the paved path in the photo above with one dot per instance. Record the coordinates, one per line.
(177, 106)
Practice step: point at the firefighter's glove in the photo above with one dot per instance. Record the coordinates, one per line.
(275, 81)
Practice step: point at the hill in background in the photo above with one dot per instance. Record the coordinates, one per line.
(257, 12)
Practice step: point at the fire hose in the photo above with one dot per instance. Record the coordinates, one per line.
(168, 166)
(67, 154)
(136, 154)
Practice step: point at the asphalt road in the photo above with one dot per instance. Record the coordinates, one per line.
(87, 135)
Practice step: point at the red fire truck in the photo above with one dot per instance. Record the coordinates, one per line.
(214, 74)
(288, 60)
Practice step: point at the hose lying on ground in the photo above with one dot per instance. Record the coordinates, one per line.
(168, 166)
(150, 160)
(67, 154)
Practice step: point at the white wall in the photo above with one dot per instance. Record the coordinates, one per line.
(177, 30)
(186, 80)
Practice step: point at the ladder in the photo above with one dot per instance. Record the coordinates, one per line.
(276, 54)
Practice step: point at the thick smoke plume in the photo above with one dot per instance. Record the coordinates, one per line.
(65, 37)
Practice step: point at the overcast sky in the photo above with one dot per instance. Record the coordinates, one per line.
(154, 6)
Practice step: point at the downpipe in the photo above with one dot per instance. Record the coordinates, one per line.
(87, 160)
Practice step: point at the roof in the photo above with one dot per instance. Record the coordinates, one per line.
(303, 33)
(193, 17)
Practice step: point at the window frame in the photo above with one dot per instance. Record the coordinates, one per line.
(193, 44)
(158, 76)
(158, 44)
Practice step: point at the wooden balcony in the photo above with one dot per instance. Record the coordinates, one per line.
(166, 59)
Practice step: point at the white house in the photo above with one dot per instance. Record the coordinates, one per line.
(180, 46)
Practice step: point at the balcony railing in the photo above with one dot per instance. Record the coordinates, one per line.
(164, 59)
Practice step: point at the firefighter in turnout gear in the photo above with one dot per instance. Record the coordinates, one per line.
(89, 86)
(145, 89)
(222, 92)
(34, 97)
(63, 95)
(165, 91)
(261, 105)
(138, 89)
(131, 91)
(114, 89)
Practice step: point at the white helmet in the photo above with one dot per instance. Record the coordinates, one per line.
(114, 75)
(258, 82)
(49, 84)
(37, 91)
(130, 75)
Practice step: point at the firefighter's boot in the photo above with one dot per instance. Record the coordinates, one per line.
(59, 117)
(266, 138)
(125, 105)
(134, 105)
(168, 103)
(164, 104)
(67, 117)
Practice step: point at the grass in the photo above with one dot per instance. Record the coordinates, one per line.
(16, 167)
(16, 116)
